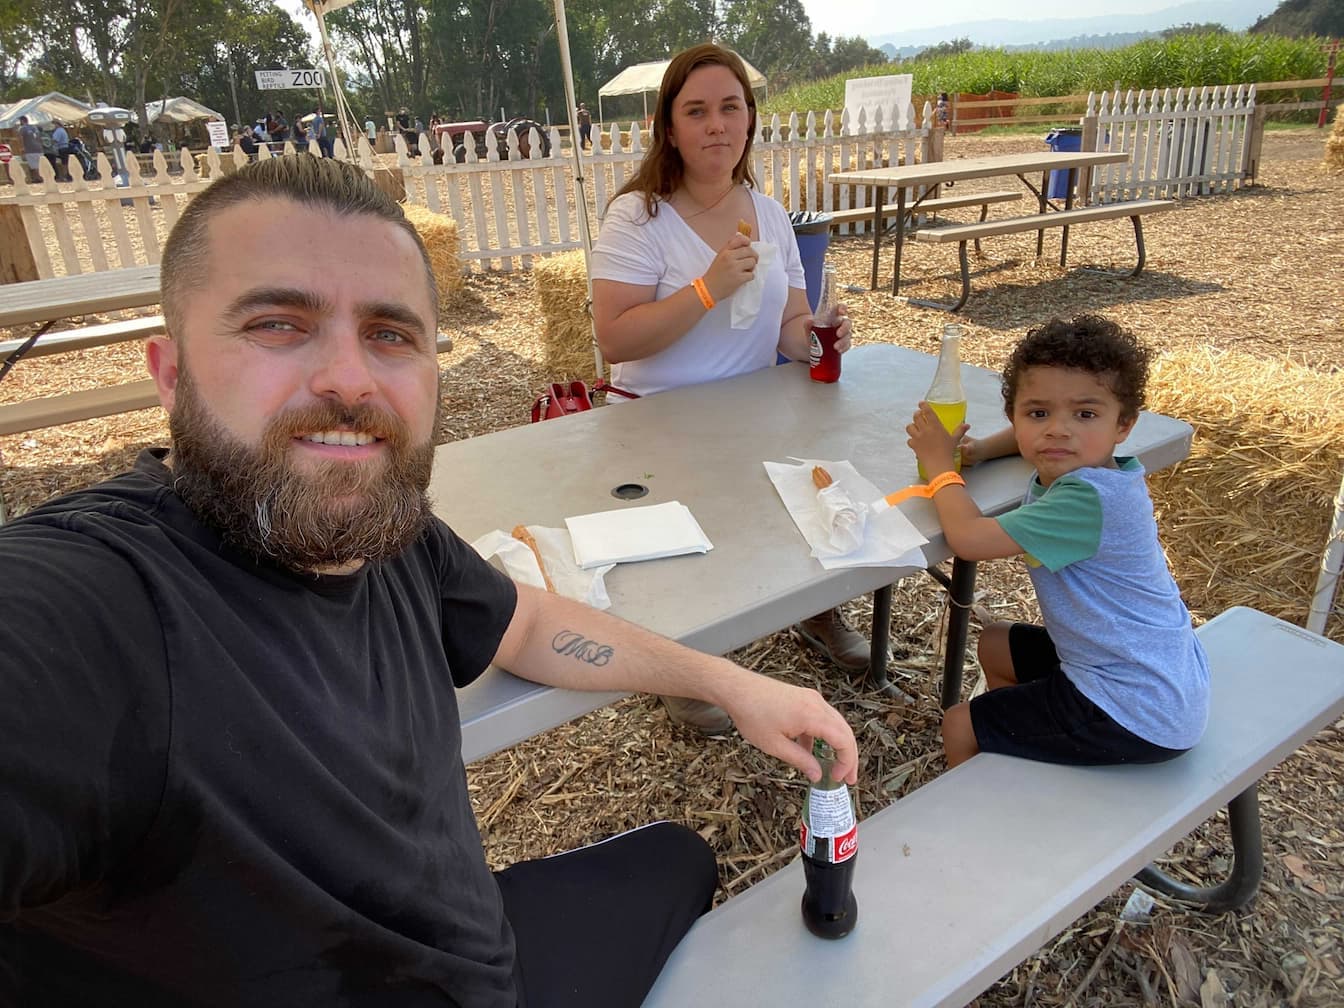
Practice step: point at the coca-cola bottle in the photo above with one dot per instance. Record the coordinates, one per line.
(823, 357)
(829, 837)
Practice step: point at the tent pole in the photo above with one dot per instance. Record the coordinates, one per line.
(562, 35)
(342, 108)
(1323, 598)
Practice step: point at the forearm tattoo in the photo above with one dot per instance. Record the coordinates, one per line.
(576, 645)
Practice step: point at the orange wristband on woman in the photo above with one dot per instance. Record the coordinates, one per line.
(702, 291)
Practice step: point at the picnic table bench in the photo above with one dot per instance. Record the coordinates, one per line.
(962, 879)
(1039, 222)
(866, 214)
(85, 404)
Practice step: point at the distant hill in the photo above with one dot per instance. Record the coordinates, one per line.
(1236, 15)
(1304, 17)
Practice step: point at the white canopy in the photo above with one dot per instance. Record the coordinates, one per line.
(178, 110)
(643, 78)
(649, 77)
(42, 110)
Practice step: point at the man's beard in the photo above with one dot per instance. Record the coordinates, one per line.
(341, 514)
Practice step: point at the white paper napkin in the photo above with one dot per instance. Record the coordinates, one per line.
(637, 533)
(746, 300)
(520, 563)
(889, 538)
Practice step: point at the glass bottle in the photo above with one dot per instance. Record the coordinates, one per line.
(822, 355)
(829, 837)
(946, 397)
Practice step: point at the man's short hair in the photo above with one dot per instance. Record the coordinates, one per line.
(315, 182)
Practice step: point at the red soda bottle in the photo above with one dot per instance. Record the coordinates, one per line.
(822, 355)
(829, 837)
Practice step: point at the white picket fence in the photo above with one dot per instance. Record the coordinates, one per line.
(508, 211)
(511, 210)
(1191, 143)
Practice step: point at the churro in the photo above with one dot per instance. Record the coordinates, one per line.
(521, 533)
(743, 228)
(821, 479)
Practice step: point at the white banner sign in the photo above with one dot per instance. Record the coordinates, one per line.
(280, 80)
(219, 134)
(890, 93)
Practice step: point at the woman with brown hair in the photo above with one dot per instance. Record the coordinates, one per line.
(678, 242)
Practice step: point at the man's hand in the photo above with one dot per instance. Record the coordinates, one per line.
(782, 720)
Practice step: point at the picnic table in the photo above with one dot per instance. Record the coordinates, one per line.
(926, 177)
(704, 445)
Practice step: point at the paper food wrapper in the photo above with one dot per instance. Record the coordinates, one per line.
(746, 300)
(842, 519)
(518, 562)
(627, 535)
(887, 539)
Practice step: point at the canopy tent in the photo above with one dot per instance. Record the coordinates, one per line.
(178, 110)
(42, 110)
(645, 77)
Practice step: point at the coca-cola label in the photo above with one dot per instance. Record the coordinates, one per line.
(833, 850)
(813, 349)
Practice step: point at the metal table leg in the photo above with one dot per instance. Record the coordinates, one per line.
(879, 194)
(961, 593)
(900, 239)
(880, 647)
(1248, 864)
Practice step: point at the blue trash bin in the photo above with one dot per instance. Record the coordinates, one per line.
(1062, 138)
(812, 232)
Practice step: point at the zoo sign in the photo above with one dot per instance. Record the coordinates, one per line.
(280, 80)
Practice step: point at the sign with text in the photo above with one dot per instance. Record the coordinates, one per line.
(890, 93)
(280, 80)
(219, 134)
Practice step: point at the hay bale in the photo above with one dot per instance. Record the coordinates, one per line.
(561, 284)
(439, 233)
(1334, 147)
(1246, 517)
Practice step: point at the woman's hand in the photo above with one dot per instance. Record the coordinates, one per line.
(844, 330)
(734, 265)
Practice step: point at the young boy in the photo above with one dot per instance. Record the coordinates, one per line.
(1116, 675)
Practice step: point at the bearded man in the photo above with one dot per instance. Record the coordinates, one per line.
(230, 753)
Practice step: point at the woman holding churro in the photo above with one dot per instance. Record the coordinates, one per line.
(684, 235)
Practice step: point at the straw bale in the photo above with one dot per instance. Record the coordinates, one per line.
(1246, 517)
(561, 285)
(439, 233)
(1334, 146)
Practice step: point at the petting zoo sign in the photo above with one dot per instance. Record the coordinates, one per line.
(280, 80)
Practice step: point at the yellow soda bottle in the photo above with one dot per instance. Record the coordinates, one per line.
(946, 397)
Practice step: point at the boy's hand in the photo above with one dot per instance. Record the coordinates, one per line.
(933, 446)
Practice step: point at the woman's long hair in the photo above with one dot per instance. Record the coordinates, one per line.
(661, 171)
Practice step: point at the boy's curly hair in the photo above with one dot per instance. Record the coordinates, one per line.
(1088, 343)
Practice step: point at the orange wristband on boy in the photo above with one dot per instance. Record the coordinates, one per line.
(940, 481)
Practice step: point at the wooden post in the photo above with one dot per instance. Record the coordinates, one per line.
(16, 257)
(1089, 143)
(1251, 162)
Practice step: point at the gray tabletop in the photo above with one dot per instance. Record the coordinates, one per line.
(82, 294)
(959, 169)
(703, 445)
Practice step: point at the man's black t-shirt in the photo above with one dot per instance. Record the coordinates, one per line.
(225, 783)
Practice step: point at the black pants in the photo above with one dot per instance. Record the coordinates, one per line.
(594, 926)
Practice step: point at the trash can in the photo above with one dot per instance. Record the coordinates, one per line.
(812, 232)
(1062, 138)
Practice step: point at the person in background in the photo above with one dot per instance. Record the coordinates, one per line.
(237, 778)
(942, 111)
(322, 134)
(670, 258)
(585, 121)
(60, 142)
(246, 142)
(30, 142)
(1116, 674)
(371, 130)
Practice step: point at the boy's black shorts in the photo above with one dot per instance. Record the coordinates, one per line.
(1046, 718)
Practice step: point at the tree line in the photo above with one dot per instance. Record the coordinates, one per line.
(461, 59)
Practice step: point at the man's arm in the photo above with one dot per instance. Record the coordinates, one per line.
(969, 534)
(560, 642)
